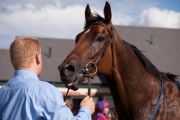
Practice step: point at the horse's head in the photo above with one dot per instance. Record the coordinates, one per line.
(92, 53)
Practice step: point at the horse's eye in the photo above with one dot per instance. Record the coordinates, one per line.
(100, 39)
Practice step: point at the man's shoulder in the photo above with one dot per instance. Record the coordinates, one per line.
(48, 91)
(42, 85)
(35, 85)
(43, 89)
(46, 85)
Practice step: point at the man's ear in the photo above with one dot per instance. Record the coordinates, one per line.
(37, 59)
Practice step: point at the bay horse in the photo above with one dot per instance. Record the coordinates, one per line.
(136, 85)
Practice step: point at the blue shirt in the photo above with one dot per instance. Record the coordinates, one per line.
(25, 97)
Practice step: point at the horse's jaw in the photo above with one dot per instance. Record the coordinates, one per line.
(75, 84)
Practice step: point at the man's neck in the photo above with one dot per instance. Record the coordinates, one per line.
(29, 69)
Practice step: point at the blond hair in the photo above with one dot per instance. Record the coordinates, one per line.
(22, 51)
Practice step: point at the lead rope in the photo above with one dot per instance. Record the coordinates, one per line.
(89, 86)
(90, 76)
(66, 95)
(89, 83)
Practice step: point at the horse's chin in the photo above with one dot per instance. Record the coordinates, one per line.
(75, 84)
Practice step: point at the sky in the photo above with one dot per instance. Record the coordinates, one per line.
(65, 18)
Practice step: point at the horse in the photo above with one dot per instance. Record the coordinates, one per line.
(139, 90)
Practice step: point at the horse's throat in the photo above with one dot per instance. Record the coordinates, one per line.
(118, 92)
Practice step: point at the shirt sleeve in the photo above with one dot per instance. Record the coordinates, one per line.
(53, 107)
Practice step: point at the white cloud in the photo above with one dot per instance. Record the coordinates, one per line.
(56, 21)
(122, 19)
(47, 22)
(155, 17)
(51, 21)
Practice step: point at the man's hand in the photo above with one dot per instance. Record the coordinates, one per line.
(88, 102)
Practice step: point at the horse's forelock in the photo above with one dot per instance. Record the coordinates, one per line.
(89, 21)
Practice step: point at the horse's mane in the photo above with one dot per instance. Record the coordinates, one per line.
(148, 65)
(89, 21)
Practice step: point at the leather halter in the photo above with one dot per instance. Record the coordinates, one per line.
(86, 71)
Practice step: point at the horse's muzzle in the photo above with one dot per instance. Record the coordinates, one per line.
(68, 69)
(67, 73)
(70, 77)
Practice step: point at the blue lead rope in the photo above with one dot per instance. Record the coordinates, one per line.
(159, 101)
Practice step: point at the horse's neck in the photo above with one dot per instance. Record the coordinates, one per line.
(128, 80)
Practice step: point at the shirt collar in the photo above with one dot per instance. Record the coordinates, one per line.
(26, 73)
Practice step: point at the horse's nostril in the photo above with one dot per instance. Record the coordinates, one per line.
(59, 68)
(68, 69)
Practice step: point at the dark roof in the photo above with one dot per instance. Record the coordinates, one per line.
(59, 48)
(6, 69)
(164, 52)
(54, 52)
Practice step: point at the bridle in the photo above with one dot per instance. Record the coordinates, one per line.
(90, 76)
(86, 71)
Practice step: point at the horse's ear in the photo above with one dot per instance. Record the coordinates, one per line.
(107, 13)
(88, 13)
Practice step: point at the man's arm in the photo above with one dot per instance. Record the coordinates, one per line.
(54, 108)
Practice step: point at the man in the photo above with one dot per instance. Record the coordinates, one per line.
(25, 97)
